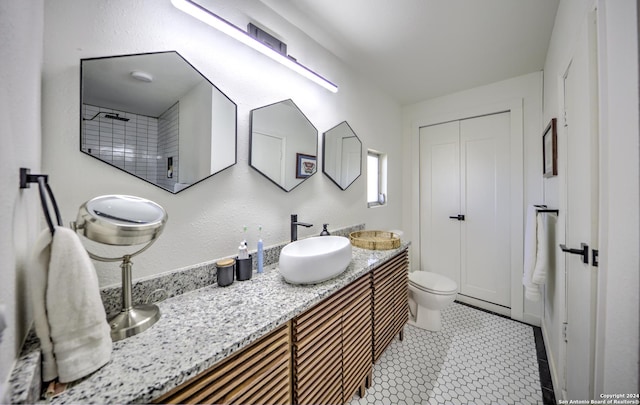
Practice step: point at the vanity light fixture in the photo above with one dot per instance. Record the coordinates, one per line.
(206, 16)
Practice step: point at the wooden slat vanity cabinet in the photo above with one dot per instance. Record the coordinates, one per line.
(322, 356)
(258, 374)
(332, 346)
(390, 289)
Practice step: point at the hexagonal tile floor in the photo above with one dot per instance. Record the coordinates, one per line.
(477, 358)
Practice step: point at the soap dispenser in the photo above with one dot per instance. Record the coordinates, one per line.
(243, 253)
(324, 230)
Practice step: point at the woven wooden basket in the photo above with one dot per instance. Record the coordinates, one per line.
(375, 240)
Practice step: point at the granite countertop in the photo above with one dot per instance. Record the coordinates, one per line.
(199, 328)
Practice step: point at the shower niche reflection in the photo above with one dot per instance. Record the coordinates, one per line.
(156, 117)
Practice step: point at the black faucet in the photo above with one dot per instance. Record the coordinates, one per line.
(294, 226)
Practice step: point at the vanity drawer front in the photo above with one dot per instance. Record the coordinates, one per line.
(390, 301)
(332, 346)
(356, 325)
(259, 374)
(317, 347)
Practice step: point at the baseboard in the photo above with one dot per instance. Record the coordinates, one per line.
(559, 392)
(531, 319)
(498, 309)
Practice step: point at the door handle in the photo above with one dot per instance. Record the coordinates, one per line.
(459, 217)
(583, 251)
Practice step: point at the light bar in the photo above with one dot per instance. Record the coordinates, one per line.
(209, 18)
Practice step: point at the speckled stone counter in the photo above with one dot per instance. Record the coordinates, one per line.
(199, 328)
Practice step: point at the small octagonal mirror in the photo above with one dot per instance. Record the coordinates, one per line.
(342, 155)
(283, 145)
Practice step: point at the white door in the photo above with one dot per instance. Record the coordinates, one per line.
(270, 158)
(465, 205)
(485, 202)
(351, 158)
(440, 199)
(580, 90)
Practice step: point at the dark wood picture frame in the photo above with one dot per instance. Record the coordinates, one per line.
(550, 149)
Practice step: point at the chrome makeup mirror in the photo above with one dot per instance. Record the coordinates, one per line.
(156, 117)
(283, 144)
(122, 220)
(342, 155)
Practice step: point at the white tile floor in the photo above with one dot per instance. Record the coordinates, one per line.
(477, 358)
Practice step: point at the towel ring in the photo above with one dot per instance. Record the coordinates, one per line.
(42, 179)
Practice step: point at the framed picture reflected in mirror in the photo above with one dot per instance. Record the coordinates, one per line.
(305, 165)
(550, 150)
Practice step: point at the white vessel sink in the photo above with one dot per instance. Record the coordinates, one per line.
(315, 259)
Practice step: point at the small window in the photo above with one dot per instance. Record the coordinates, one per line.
(376, 179)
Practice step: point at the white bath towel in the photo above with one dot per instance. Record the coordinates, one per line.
(69, 317)
(536, 255)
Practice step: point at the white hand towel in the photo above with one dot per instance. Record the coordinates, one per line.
(69, 316)
(536, 255)
(38, 272)
(539, 275)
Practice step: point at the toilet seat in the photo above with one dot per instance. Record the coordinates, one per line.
(432, 283)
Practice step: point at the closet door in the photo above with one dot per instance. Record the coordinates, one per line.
(440, 199)
(465, 205)
(485, 200)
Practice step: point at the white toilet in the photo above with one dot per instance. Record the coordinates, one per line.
(429, 293)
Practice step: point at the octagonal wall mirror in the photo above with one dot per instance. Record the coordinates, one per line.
(156, 117)
(283, 144)
(342, 155)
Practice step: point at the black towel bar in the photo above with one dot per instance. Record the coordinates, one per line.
(543, 208)
(42, 179)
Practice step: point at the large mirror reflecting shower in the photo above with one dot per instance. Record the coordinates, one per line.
(156, 117)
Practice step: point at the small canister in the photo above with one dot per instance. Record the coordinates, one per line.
(244, 269)
(226, 270)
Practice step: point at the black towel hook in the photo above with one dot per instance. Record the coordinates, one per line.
(42, 179)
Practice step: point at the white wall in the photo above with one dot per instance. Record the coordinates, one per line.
(525, 90)
(195, 133)
(569, 17)
(205, 221)
(21, 25)
(617, 345)
(618, 340)
(223, 149)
